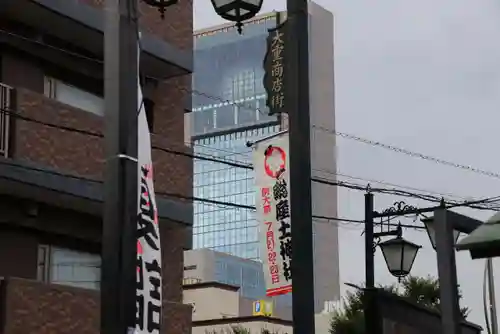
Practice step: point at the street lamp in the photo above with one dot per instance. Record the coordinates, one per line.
(399, 255)
(161, 5)
(237, 10)
(430, 227)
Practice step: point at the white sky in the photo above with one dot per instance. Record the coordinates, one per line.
(423, 75)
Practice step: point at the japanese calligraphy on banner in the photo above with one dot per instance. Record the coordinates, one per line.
(149, 280)
(272, 179)
(274, 69)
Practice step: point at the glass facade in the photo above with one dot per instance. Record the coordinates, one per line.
(245, 274)
(248, 275)
(228, 110)
(226, 229)
(228, 89)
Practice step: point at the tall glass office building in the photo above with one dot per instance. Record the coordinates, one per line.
(228, 109)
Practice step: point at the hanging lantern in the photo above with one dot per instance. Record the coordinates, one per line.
(399, 255)
(161, 5)
(237, 10)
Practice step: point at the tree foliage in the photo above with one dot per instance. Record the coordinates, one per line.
(422, 290)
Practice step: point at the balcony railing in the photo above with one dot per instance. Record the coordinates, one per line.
(5, 108)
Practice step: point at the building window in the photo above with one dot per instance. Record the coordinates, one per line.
(73, 96)
(69, 267)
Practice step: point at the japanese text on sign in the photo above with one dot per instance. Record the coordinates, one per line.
(270, 239)
(148, 287)
(280, 194)
(272, 178)
(277, 99)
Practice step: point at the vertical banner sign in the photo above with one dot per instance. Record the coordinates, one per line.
(149, 282)
(274, 69)
(272, 179)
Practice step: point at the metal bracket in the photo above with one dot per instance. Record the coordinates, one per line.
(127, 157)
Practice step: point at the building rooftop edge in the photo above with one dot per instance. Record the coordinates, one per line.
(212, 284)
(230, 25)
(239, 320)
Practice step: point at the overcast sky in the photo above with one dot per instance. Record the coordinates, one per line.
(423, 75)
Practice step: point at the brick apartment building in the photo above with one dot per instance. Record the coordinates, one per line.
(51, 77)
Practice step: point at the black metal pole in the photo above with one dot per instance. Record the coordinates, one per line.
(447, 270)
(369, 258)
(300, 162)
(120, 186)
(371, 321)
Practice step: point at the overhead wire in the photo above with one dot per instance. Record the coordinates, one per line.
(339, 174)
(398, 192)
(349, 136)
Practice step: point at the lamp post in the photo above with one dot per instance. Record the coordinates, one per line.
(118, 270)
(442, 231)
(399, 255)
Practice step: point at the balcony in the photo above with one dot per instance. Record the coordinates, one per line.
(33, 307)
(6, 101)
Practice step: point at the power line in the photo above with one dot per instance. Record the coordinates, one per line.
(345, 135)
(407, 152)
(367, 141)
(432, 192)
(406, 187)
(249, 207)
(397, 192)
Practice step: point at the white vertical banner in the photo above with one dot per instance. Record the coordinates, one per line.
(272, 181)
(149, 280)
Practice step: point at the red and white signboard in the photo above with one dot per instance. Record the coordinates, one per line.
(272, 179)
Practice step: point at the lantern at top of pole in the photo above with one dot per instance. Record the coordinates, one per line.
(431, 231)
(237, 10)
(161, 5)
(399, 255)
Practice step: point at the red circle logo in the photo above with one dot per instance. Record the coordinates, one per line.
(275, 170)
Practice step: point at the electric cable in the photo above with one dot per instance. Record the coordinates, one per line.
(167, 150)
(373, 143)
(446, 196)
(367, 141)
(339, 174)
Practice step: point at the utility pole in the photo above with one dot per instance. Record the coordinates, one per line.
(491, 289)
(121, 179)
(451, 318)
(300, 163)
(371, 317)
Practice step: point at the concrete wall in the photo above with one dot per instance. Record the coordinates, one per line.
(254, 327)
(212, 303)
(323, 154)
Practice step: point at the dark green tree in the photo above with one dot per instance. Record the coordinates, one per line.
(422, 290)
